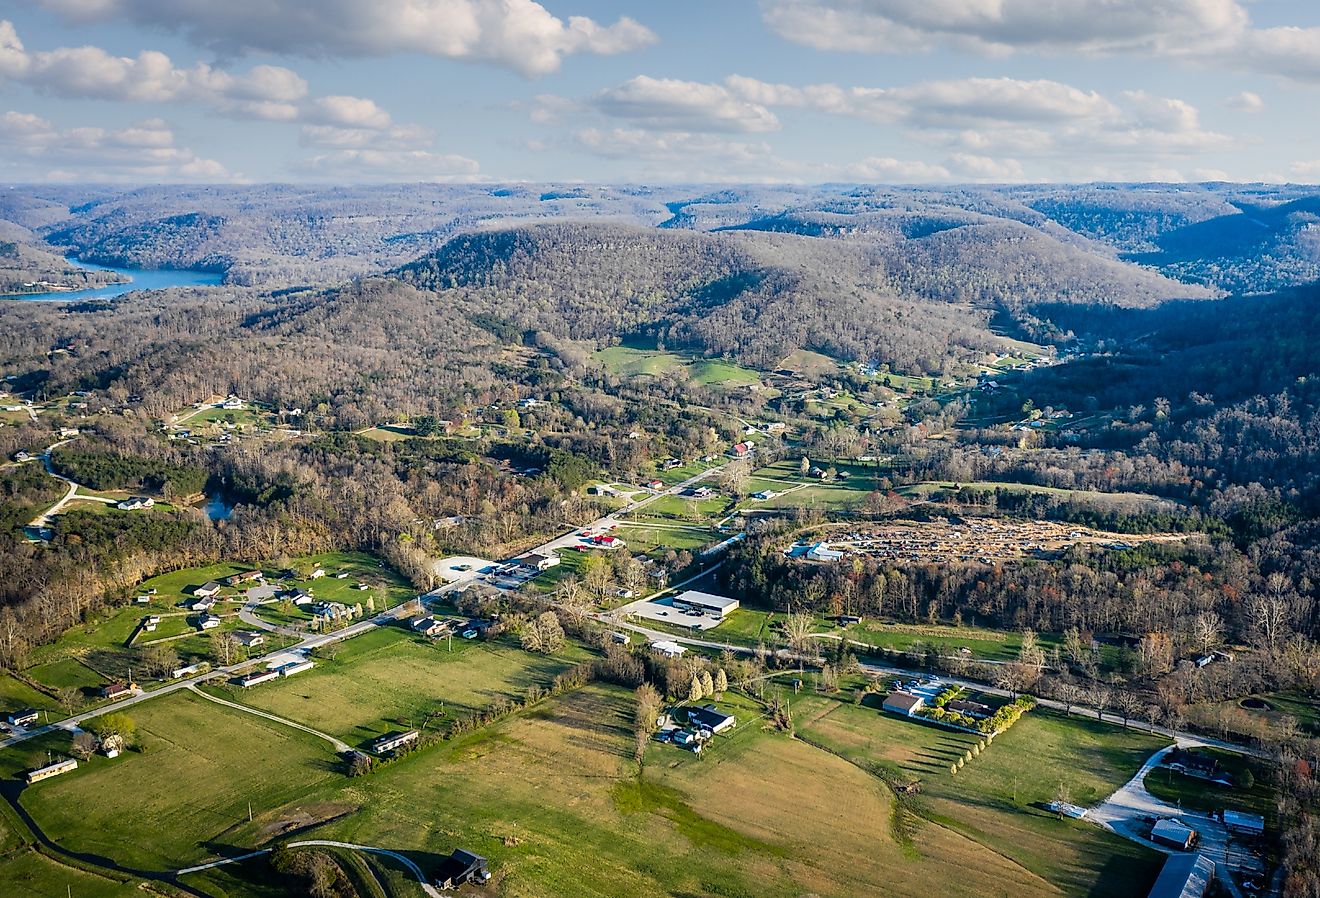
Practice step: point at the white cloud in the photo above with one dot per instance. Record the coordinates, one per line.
(264, 92)
(623, 143)
(374, 164)
(951, 103)
(520, 34)
(886, 170)
(669, 104)
(1245, 102)
(1213, 32)
(976, 116)
(1308, 170)
(33, 148)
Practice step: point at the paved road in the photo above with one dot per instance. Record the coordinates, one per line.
(1125, 813)
(340, 746)
(907, 673)
(43, 520)
(325, 843)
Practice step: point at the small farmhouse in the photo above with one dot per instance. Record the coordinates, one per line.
(708, 718)
(668, 648)
(460, 868)
(135, 503)
(904, 703)
(25, 718)
(115, 691)
(244, 577)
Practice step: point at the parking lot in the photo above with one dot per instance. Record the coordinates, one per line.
(661, 610)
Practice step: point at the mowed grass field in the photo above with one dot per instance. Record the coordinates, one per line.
(631, 362)
(388, 679)
(554, 799)
(995, 800)
(176, 802)
(30, 874)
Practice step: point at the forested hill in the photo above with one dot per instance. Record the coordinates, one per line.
(1229, 237)
(916, 301)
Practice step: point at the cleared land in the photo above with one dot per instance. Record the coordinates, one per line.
(983, 540)
(995, 800)
(177, 801)
(631, 362)
(389, 679)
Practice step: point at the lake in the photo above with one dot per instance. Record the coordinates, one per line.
(142, 279)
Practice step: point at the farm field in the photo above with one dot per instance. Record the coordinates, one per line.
(632, 362)
(177, 801)
(388, 679)
(553, 798)
(30, 874)
(995, 800)
(1147, 501)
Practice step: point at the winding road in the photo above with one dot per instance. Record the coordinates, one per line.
(406, 861)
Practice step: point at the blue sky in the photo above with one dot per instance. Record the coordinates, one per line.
(899, 91)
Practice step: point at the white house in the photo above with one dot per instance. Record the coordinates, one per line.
(135, 503)
(668, 648)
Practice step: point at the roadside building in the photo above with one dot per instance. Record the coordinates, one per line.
(538, 561)
(904, 703)
(257, 677)
(45, 773)
(969, 708)
(208, 622)
(114, 691)
(694, 602)
(250, 638)
(208, 590)
(180, 672)
(668, 648)
(288, 670)
(24, 718)
(1173, 834)
(429, 626)
(203, 604)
